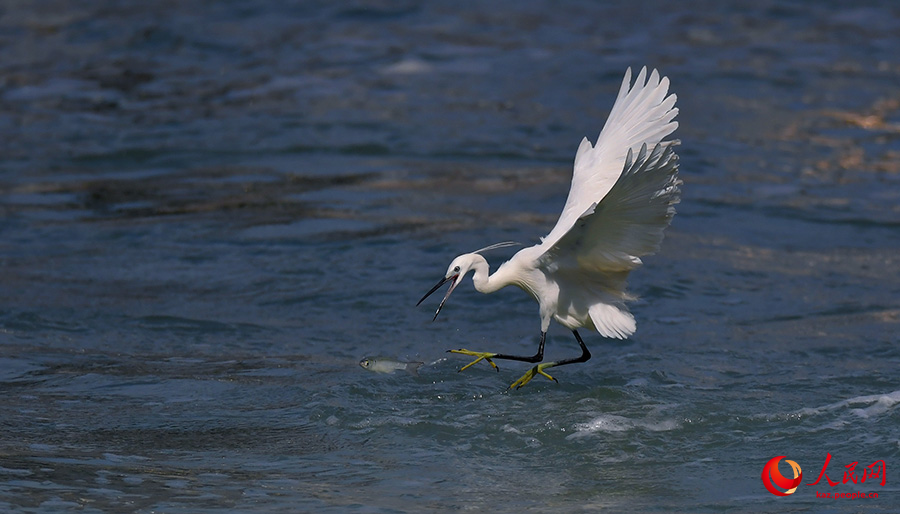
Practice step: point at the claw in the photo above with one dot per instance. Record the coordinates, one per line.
(481, 356)
(536, 370)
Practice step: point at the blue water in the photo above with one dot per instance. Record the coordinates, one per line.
(213, 210)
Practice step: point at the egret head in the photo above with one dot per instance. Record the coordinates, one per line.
(458, 269)
(455, 273)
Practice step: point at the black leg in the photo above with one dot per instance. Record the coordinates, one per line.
(488, 356)
(539, 369)
(538, 357)
(585, 354)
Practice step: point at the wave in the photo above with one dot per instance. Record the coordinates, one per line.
(863, 406)
(611, 423)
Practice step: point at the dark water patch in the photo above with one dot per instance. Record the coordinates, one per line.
(235, 192)
(185, 325)
(27, 322)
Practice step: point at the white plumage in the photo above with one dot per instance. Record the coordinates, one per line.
(622, 198)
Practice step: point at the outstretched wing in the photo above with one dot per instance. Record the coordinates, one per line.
(611, 235)
(607, 240)
(642, 115)
(621, 200)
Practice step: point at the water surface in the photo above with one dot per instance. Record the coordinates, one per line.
(213, 211)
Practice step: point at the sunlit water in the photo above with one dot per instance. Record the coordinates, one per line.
(212, 212)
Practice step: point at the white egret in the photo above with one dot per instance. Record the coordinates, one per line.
(621, 200)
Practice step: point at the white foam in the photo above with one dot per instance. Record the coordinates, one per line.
(408, 67)
(874, 404)
(610, 423)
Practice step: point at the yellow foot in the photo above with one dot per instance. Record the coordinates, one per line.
(537, 370)
(481, 356)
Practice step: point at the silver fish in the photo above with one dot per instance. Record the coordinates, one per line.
(385, 365)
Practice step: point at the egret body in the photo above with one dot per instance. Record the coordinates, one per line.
(621, 199)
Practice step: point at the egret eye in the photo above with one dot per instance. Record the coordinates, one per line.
(456, 269)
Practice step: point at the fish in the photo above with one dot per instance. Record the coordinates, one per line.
(386, 365)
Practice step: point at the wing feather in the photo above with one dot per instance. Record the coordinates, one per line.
(611, 235)
(621, 200)
(641, 115)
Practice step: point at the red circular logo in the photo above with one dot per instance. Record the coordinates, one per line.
(772, 477)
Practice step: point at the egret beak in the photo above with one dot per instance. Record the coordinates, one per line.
(435, 288)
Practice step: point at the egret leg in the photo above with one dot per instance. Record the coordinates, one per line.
(487, 356)
(539, 369)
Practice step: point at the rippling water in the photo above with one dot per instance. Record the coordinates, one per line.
(213, 211)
